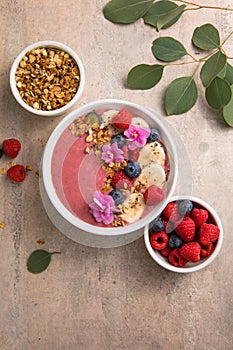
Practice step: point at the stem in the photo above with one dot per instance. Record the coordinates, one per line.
(199, 63)
(194, 58)
(178, 64)
(206, 6)
(228, 37)
(207, 56)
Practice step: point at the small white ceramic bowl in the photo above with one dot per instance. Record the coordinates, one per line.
(55, 45)
(189, 267)
(75, 228)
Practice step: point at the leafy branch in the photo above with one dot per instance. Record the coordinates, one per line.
(216, 74)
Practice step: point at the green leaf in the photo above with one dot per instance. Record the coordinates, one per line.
(144, 76)
(229, 73)
(38, 261)
(222, 73)
(212, 67)
(158, 10)
(218, 93)
(181, 95)
(170, 16)
(206, 37)
(126, 11)
(228, 110)
(168, 49)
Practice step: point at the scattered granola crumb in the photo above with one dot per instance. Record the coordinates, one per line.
(2, 171)
(29, 167)
(37, 173)
(40, 241)
(2, 225)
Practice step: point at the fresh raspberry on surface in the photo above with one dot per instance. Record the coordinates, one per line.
(122, 120)
(159, 240)
(186, 229)
(191, 251)
(11, 147)
(16, 173)
(171, 212)
(122, 181)
(209, 233)
(199, 216)
(153, 195)
(176, 259)
(207, 250)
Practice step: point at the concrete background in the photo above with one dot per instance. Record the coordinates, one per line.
(114, 299)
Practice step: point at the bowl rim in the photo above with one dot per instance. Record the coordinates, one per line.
(206, 261)
(46, 166)
(55, 45)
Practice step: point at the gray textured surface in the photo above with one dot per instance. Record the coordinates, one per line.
(119, 298)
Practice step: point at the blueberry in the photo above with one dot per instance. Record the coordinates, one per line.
(117, 196)
(174, 241)
(133, 169)
(184, 206)
(120, 139)
(157, 225)
(154, 135)
(1, 152)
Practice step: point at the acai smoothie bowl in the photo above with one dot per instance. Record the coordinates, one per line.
(108, 169)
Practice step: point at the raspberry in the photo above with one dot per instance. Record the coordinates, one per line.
(133, 155)
(171, 212)
(153, 195)
(186, 229)
(122, 120)
(191, 251)
(207, 250)
(122, 181)
(11, 147)
(176, 259)
(209, 233)
(17, 173)
(166, 251)
(159, 240)
(199, 216)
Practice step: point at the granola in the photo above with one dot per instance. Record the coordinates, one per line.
(47, 78)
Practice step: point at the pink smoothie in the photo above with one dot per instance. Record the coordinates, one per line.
(76, 175)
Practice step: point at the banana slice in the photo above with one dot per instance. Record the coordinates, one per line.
(139, 122)
(133, 207)
(152, 174)
(152, 153)
(107, 120)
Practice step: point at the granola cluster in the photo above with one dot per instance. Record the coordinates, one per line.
(47, 78)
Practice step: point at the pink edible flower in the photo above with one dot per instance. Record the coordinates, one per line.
(137, 135)
(102, 208)
(112, 153)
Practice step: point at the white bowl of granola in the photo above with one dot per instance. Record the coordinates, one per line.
(102, 181)
(47, 78)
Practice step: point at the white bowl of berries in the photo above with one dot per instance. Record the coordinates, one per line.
(108, 169)
(186, 237)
